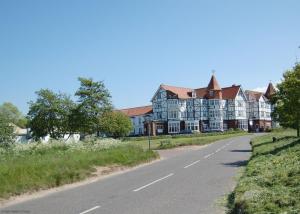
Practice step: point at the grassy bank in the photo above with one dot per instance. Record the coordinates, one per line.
(36, 166)
(165, 142)
(271, 181)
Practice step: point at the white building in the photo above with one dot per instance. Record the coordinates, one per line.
(138, 116)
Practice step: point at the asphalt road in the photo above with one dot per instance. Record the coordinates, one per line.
(191, 182)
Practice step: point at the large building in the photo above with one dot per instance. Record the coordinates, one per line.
(260, 109)
(184, 110)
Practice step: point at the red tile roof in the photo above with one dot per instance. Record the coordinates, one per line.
(253, 95)
(270, 91)
(137, 111)
(230, 92)
(183, 93)
(213, 84)
(201, 92)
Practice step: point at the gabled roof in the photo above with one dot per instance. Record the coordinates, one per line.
(270, 91)
(183, 93)
(253, 95)
(137, 111)
(230, 92)
(201, 92)
(213, 84)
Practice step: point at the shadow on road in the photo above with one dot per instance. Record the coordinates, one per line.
(241, 150)
(236, 163)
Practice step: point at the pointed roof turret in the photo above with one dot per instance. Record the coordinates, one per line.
(270, 91)
(213, 84)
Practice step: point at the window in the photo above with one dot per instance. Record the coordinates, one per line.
(211, 93)
(189, 102)
(240, 113)
(243, 124)
(215, 125)
(240, 103)
(190, 114)
(159, 95)
(192, 125)
(140, 120)
(173, 127)
(173, 114)
(158, 115)
(173, 102)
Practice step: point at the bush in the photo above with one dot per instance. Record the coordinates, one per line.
(6, 133)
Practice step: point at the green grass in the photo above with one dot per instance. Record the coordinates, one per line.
(271, 181)
(44, 167)
(166, 142)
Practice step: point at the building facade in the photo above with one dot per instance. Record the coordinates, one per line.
(138, 117)
(260, 109)
(177, 110)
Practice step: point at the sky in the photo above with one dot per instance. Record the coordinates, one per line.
(135, 45)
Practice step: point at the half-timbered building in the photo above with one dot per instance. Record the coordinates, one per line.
(179, 109)
(185, 110)
(260, 109)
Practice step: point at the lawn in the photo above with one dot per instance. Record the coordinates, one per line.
(27, 168)
(271, 181)
(165, 142)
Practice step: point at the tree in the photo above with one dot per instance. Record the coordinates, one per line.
(6, 132)
(287, 99)
(12, 114)
(94, 100)
(50, 114)
(115, 124)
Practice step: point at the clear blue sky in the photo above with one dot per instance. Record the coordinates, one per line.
(136, 45)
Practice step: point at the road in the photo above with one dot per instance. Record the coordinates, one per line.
(190, 182)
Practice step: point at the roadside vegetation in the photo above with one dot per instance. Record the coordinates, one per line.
(169, 141)
(36, 166)
(271, 181)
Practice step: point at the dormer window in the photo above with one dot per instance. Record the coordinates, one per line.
(211, 93)
(193, 94)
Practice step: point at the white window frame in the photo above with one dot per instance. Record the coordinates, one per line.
(174, 127)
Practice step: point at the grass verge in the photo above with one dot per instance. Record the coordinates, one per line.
(271, 181)
(185, 140)
(43, 167)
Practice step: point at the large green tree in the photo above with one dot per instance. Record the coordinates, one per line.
(287, 100)
(6, 132)
(50, 114)
(93, 100)
(12, 114)
(115, 124)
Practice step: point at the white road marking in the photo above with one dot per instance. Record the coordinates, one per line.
(191, 164)
(87, 211)
(143, 187)
(207, 156)
(218, 150)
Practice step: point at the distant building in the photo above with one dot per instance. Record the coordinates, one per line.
(259, 109)
(138, 117)
(184, 110)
